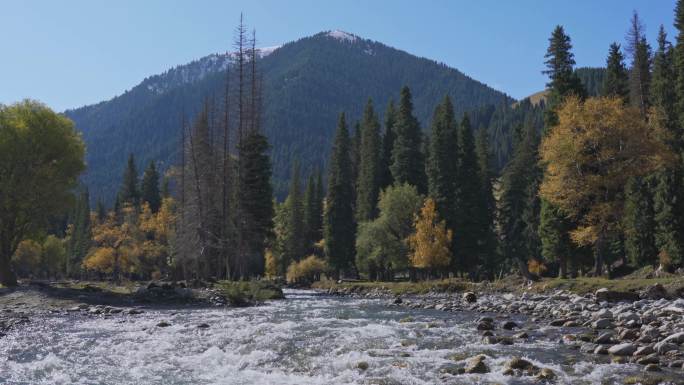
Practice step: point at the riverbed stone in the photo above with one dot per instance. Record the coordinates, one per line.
(644, 351)
(676, 338)
(605, 338)
(652, 368)
(663, 347)
(626, 349)
(605, 295)
(509, 325)
(648, 359)
(477, 365)
(163, 324)
(603, 323)
(362, 365)
(469, 297)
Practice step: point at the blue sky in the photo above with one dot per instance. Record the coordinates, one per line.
(76, 52)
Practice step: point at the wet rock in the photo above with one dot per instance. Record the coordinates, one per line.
(571, 324)
(362, 365)
(649, 359)
(485, 326)
(509, 325)
(477, 365)
(603, 323)
(677, 338)
(644, 351)
(605, 295)
(406, 320)
(491, 340)
(519, 365)
(469, 297)
(558, 322)
(521, 335)
(398, 301)
(652, 368)
(603, 313)
(604, 338)
(629, 334)
(163, 324)
(203, 326)
(74, 309)
(487, 333)
(546, 374)
(663, 347)
(452, 369)
(628, 316)
(626, 349)
(134, 311)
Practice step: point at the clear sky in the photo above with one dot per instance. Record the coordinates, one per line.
(76, 52)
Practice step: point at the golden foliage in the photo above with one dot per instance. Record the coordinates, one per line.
(598, 145)
(133, 243)
(270, 264)
(536, 267)
(308, 269)
(27, 257)
(430, 242)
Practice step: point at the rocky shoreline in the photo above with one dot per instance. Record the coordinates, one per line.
(644, 328)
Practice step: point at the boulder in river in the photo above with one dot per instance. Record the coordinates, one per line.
(469, 297)
(626, 349)
(477, 365)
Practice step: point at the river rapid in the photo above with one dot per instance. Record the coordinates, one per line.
(306, 339)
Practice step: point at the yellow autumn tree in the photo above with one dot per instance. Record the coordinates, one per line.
(598, 145)
(429, 244)
(308, 269)
(270, 264)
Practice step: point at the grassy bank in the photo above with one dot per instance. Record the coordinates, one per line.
(513, 284)
(242, 292)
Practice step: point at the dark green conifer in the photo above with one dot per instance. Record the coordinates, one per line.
(407, 159)
(129, 187)
(387, 145)
(368, 182)
(442, 163)
(339, 225)
(149, 189)
(616, 81)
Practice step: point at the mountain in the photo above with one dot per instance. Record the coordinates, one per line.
(306, 84)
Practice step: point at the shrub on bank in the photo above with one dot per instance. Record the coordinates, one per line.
(307, 270)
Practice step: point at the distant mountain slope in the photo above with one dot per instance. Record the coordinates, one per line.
(307, 83)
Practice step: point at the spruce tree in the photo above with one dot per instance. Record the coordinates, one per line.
(149, 188)
(81, 234)
(339, 225)
(387, 145)
(668, 188)
(640, 71)
(548, 222)
(311, 213)
(639, 224)
(368, 182)
(442, 164)
(678, 62)
(407, 158)
(295, 242)
(468, 231)
(488, 242)
(129, 186)
(616, 81)
(101, 211)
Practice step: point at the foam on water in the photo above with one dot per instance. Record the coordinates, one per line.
(306, 339)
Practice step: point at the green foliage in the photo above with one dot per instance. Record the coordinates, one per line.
(407, 158)
(128, 193)
(387, 146)
(79, 234)
(381, 243)
(149, 189)
(442, 164)
(616, 82)
(41, 156)
(639, 225)
(592, 79)
(640, 71)
(313, 209)
(295, 237)
(488, 255)
(370, 152)
(339, 226)
(53, 256)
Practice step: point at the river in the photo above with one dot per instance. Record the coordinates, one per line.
(305, 339)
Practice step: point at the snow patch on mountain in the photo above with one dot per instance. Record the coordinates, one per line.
(343, 36)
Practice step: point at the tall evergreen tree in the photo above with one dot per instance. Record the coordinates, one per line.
(616, 81)
(407, 158)
(488, 242)
(149, 188)
(312, 212)
(551, 224)
(668, 188)
(640, 71)
(442, 164)
(639, 224)
(387, 146)
(368, 182)
(678, 62)
(129, 187)
(295, 240)
(339, 225)
(468, 231)
(81, 234)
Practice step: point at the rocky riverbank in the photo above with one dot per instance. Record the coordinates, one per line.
(97, 299)
(645, 328)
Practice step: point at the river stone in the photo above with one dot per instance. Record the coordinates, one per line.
(626, 349)
(163, 324)
(649, 359)
(629, 334)
(601, 349)
(362, 365)
(605, 295)
(652, 368)
(519, 363)
(655, 292)
(603, 323)
(469, 297)
(398, 301)
(509, 325)
(628, 316)
(203, 326)
(477, 365)
(490, 340)
(676, 338)
(644, 351)
(663, 347)
(603, 313)
(521, 335)
(604, 338)
(546, 374)
(485, 326)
